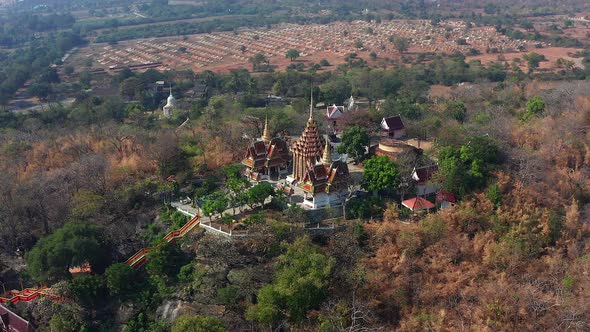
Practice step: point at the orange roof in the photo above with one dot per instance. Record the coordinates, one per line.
(80, 269)
(417, 204)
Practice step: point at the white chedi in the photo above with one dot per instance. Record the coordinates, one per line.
(170, 105)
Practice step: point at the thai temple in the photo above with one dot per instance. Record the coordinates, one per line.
(321, 179)
(267, 157)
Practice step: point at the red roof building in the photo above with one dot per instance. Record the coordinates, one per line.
(266, 156)
(418, 204)
(446, 199)
(11, 322)
(323, 183)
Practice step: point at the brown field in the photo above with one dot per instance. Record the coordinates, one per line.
(550, 53)
(222, 51)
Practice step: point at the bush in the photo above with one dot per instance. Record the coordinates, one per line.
(120, 279)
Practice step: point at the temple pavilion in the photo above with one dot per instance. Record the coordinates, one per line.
(266, 157)
(321, 179)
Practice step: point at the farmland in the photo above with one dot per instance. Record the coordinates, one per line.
(227, 50)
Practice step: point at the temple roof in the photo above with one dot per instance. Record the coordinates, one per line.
(393, 123)
(259, 154)
(321, 178)
(310, 144)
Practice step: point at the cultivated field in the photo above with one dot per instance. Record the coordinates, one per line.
(228, 50)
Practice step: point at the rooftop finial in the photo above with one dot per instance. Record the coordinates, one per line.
(311, 104)
(266, 133)
(327, 157)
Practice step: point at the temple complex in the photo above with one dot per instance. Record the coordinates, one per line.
(320, 178)
(266, 157)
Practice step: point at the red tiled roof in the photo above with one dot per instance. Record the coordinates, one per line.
(417, 204)
(445, 196)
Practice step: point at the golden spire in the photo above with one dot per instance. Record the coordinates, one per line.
(266, 133)
(327, 157)
(311, 105)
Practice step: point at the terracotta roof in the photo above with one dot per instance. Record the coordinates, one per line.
(417, 204)
(445, 196)
(394, 123)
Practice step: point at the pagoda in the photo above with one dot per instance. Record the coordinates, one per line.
(308, 150)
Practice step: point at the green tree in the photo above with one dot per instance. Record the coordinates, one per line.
(68, 318)
(401, 44)
(119, 279)
(215, 203)
(189, 323)
(257, 61)
(299, 284)
(89, 289)
(535, 105)
(467, 167)
(293, 54)
(74, 244)
(533, 60)
(258, 194)
(236, 186)
(354, 141)
(456, 110)
(380, 173)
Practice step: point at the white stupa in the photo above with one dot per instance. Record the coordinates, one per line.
(351, 103)
(170, 105)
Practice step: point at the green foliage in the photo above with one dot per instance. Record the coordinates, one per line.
(186, 273)
(142, 323)
(163, 265)
(170, 215)
(468, 167)
(74, 244)
(86, 203)
(401, 44)
(534, 106)
(255, 218)
(380, 173)
(215, 203)
(364, 208)
(456, 110)
(258, 194)
(292, 54)
(568, 283)
(228, 295)
(197, 324)
(360, 234)
(89, 289)
(533, 60)
(354, 141)
(119, 280)
(67, 319)
(494, 195)
(299, 285)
